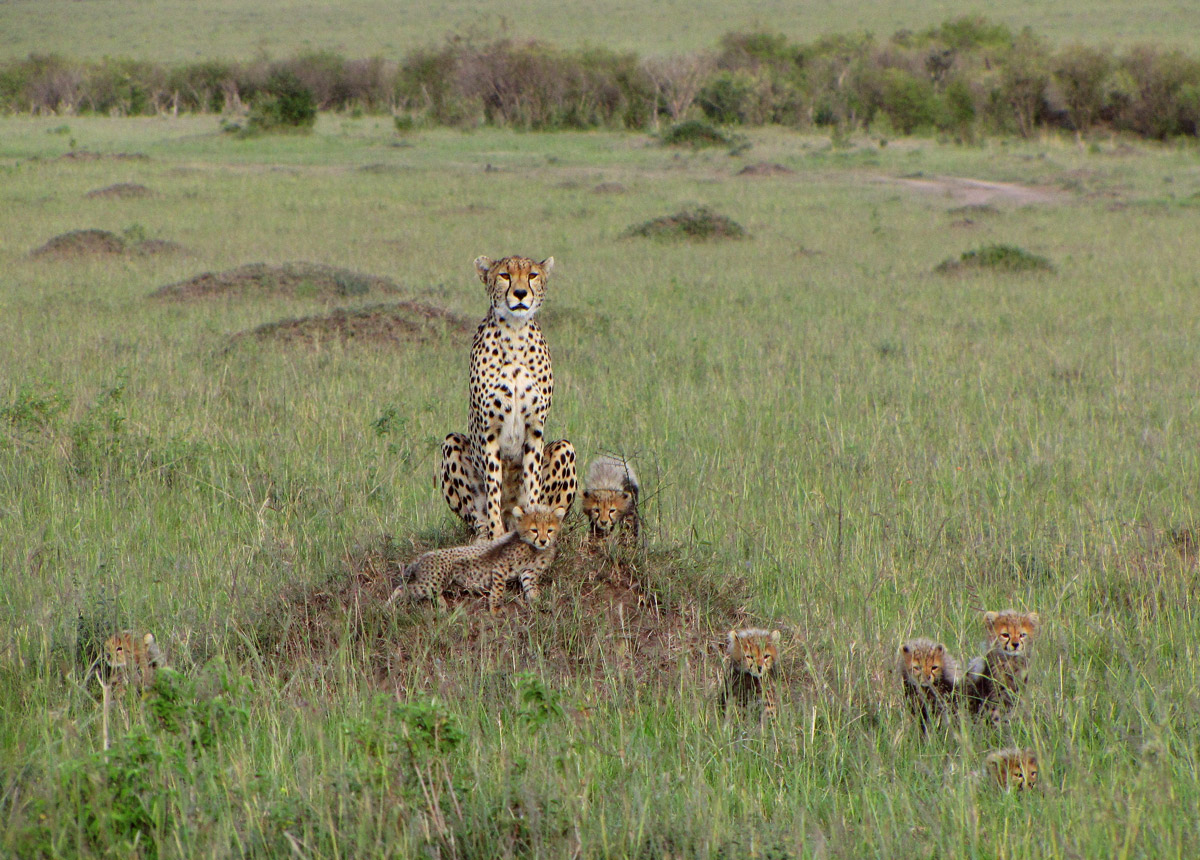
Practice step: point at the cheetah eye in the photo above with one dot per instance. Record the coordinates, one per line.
(533, 275)
(503, 276)
(1004, 636)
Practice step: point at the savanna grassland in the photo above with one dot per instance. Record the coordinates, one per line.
(834, 439)
(207, 29)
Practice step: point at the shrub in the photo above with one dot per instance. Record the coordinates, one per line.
(1003, 258)
(699, 224)
(285, 105)
(696, 134)
(909, 102)
(726, 98)
(1082, 73)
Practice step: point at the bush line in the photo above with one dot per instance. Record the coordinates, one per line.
(965, 78)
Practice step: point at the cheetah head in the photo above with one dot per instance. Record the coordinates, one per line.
(754, 651)
(538, 526)
(516, 285)
(1010, 631)
(606, 508)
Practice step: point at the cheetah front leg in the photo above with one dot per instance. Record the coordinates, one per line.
(461, 482)
(493, 485)
(560, 481)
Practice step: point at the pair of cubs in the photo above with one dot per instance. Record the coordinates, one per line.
(933, 685)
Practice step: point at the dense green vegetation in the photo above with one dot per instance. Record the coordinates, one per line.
(832, 436)
(962, 79)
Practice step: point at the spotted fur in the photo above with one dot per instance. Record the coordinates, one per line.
(995, 678)
(929, 675)
(487, 567)
(503, 460)
(132, 660)
(1013, 769)
(751, 657)
(610, 498)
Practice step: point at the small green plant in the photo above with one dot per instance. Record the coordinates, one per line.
(1000, 258)
(539, 705)
(134, 233)
(700, 224)
(34, 409)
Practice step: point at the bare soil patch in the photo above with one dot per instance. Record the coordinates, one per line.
(120, 191)
(386, 325)
(86, 155)
(640, 615)
(977, 192)
(766, 168)
(296, 280)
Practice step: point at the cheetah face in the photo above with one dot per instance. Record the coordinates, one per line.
(926, 666)
(1014, 769)
(1010, 632)
(606, 508)
(538, 526)
(515, 285)
(754, 651)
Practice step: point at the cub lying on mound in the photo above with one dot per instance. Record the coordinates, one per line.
(485, 568)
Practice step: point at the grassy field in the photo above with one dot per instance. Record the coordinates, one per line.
(206, 29)
(834, 440)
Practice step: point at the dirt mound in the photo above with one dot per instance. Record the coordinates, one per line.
(701, 224)
(297, 280)
(766, 168)
(122, 190)
(101, 243)
(86, 155)
(998, 258)
(599, 614)
(82, 243)
(390, 324)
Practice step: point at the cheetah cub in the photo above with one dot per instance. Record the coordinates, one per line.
(1013, 768)
(995, 678)
(610, 499)
(131, 660)
(929, 675)
(522, 555)
(751, 655)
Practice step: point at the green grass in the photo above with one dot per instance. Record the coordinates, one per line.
(870, 451)
(204, 29)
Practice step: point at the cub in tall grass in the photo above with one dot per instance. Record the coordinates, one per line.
(131, 660)
(522, 555)
(1013, 768)
(610, 498)
(995, 678)
(751, 657)
(930, 678)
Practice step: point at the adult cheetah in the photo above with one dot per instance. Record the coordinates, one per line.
(504, 460)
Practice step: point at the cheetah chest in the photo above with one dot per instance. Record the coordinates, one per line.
(512, 386)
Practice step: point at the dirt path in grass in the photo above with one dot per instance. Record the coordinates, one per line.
(977, 192)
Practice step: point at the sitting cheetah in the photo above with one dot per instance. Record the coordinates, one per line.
(610, 498)
(485, 568)
(751, 655)
(131, 660)
(504, 459)
(1013, 768)
(995, 678)
(930, 677)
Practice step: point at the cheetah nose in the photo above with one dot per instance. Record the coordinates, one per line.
(520, 293)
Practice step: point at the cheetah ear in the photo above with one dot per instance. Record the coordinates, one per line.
(482, 264)
(730, 639)
(560, 513)
(148, 639)
(1034, 620)
(547, 264)
(939, 649)
(989, 621)
(626, 495)
(775, 636)
(589, 494)
(905, 648)
(517, 512)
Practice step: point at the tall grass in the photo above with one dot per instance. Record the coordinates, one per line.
(870, 450)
